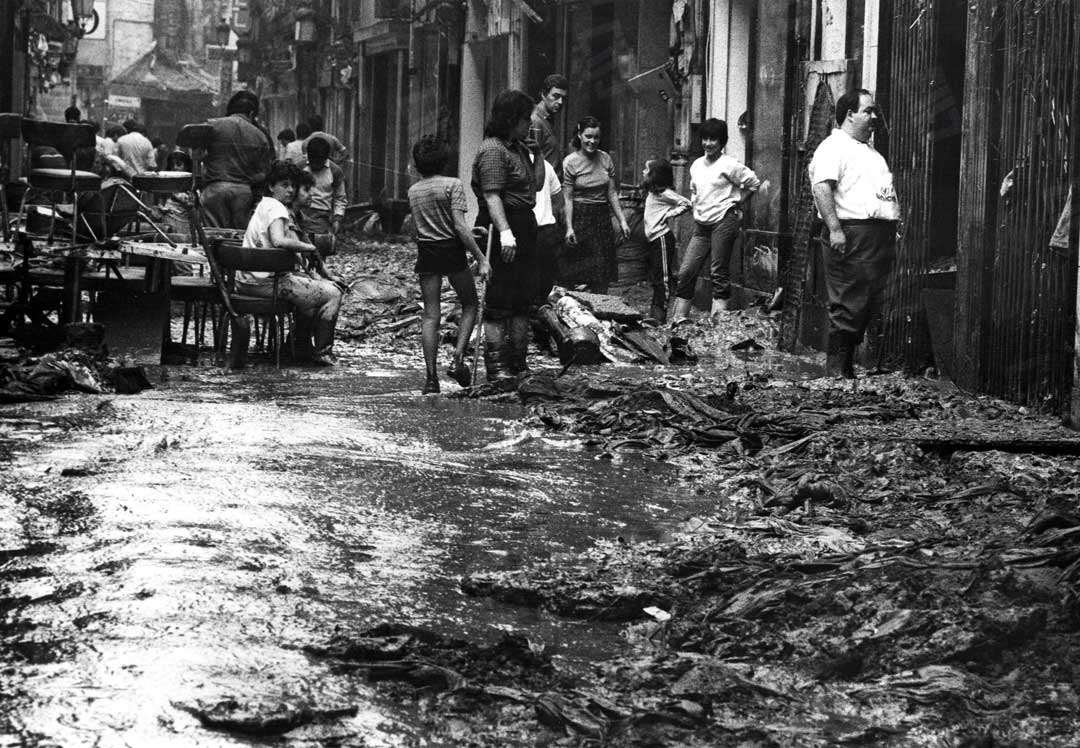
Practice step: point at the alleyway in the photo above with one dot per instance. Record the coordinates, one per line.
(183, 544)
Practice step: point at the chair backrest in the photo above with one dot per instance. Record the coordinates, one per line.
(194, 136)
(65, 137)
(231, 255)
(10, 125)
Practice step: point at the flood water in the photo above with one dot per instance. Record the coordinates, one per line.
(208, 529)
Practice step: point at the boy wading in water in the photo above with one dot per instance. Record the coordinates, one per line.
(442, 237)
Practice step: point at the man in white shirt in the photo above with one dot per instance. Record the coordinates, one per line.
(136, 149)
(855, 197)
(549, 214)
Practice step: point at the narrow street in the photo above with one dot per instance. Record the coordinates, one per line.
(185, 543)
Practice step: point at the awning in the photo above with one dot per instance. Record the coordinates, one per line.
(156, 77)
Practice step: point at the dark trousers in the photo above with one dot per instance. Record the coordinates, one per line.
(715, 240)
(549, 241)
(661, 255)
(856, 279)
(512, 287)
(227, 205)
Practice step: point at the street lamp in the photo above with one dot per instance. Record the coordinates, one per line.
(82, 9)
(222, 31)
(304, 30)
(222, 51)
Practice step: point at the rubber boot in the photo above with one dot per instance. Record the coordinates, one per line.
(495, 351)
(840, 357)
(680, 311)
(719, 306)
(519, 345)
(658, 313)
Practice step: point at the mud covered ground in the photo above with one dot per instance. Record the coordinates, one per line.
(888, 562)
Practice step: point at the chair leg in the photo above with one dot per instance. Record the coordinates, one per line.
(187, 321)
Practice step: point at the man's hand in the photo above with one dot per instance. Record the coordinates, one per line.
(508, 245)
(837, 240)
(571, 237)
(335, 226)
(624, 229)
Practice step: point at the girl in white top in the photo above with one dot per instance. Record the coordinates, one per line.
(662, 203)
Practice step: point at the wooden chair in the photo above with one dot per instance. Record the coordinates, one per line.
(67, 138)
(226, 259)
(10, 128)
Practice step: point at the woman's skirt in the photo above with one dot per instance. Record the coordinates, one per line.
(512, 287)
(592, 262)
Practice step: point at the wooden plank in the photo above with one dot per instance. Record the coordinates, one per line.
(162, 251)
(974, 250)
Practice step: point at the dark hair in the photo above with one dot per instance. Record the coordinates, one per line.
(315, 122)
(660, 176)
(305, 179)
(715, 129)
(94, 124)
(318, 147)
(286, 135)
(131, 125)
(157, 142)
(509, 108)
(178, 161)
(243, 102)
(430, 155)
(72, 114)
(849, 102)
(114, 131)
(282, 171)
(555, 80)
(584, 124)
(303, 130)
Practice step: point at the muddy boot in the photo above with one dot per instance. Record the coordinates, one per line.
(719, 306)
(460, 372)
(495, 351)
(658, 313)
(680, 311)
(840, 357)
(519, 346)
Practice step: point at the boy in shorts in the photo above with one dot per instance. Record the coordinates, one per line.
(438, 208)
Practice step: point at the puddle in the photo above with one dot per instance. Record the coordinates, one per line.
(242, 518)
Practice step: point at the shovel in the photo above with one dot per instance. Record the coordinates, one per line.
(480, 311)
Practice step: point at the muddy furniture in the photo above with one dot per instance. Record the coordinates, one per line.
(10, 128)
(66, 138)
(226, 258)
(136, 308)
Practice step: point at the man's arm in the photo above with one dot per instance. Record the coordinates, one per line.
(825, 199)
(339, 199)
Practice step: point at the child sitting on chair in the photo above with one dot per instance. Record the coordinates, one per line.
(315, 301)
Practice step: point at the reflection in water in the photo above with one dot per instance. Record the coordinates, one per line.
(233, 524)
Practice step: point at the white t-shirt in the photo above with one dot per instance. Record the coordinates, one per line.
(717, 187)
(543, 210)
(257, 234)
(864, 184)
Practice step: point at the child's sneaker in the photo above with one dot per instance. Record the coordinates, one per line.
(460, 373)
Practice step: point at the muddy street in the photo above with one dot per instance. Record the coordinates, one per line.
(185, 543)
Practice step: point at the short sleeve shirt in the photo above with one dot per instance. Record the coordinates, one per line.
(588, 176)
(257, 234)
(864, 184)
(433, 201)
(504, 167)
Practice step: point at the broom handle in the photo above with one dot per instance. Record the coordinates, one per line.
(480, 313)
